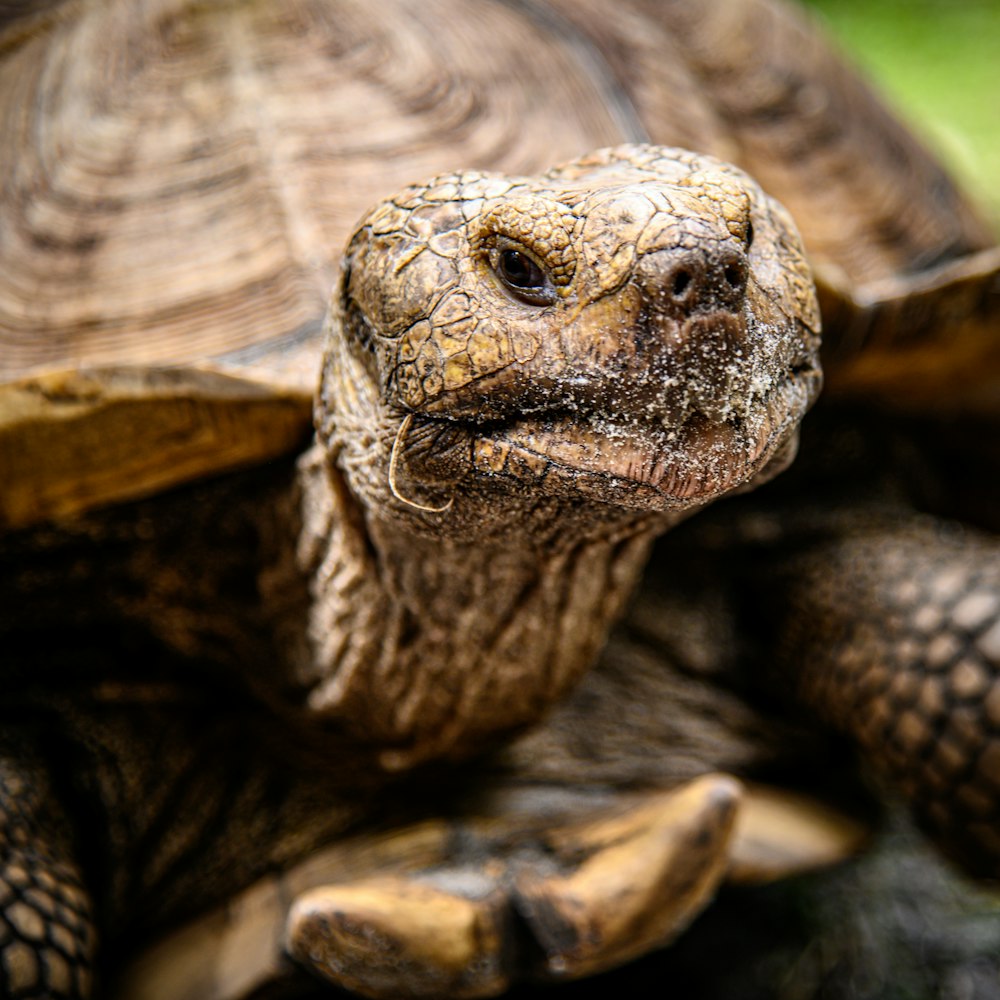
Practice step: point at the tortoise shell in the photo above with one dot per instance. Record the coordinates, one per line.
(185, 177)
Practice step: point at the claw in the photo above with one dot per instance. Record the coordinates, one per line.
(400, 937)
(781, 833)
(645, 874)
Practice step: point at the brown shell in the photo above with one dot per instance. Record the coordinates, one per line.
(179, 179)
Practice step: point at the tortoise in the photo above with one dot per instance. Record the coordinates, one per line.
(228, 646)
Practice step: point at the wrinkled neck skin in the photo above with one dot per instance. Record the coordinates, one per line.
(428, 646)
(431, 631)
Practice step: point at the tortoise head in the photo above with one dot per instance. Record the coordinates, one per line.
(636, 328)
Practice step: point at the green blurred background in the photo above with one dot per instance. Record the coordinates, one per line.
(938, 61)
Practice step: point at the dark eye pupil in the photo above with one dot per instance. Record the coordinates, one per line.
(520, 270)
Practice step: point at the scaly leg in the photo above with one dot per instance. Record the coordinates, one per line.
(895, 635)
(46, 931)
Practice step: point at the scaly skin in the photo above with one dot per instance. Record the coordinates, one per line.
(46, 932)
(493, 459)
(503, 458)
(892, 631)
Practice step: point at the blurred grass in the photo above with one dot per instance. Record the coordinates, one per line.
(938, 61)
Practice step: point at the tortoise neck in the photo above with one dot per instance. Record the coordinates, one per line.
(429, 646)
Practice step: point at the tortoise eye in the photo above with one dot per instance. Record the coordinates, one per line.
(520, 271)
(523, 277)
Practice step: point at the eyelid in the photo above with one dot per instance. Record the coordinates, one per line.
(501, 243)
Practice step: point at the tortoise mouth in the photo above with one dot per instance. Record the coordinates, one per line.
(641, 461)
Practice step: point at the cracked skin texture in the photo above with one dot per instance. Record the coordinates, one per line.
(664, 359)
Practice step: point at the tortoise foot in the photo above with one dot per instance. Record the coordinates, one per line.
(576, 899)
(519, 885)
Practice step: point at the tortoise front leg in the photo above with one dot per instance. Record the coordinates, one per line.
(46, 931)
(895, 636)
(462, 906)
(592, 892)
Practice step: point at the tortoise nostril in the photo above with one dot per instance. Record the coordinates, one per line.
(682, 280)
(735, 276)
